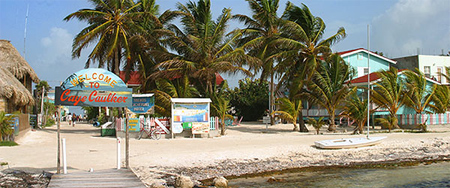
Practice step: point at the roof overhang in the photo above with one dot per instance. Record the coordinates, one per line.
(351, 52)
(190, 100)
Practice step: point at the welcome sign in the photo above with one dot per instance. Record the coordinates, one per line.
(93, 87)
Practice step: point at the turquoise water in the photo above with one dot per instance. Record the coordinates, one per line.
(431, 175)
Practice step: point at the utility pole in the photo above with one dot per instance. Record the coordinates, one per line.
(42, 106)
(58, 159)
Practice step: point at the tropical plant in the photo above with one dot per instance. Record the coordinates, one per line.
(304, 42)
(221, 105)
(146, 48)
(355, 109)
(201, 46)
(110, 24)
(303, 47)
(317, 124)
(440, 103)
(418, 94)
(5, 125)
(91, 112)
(328, 88)
(389, 93)
(257, 40)
(288, 110)
(167, 89)
(250, 99)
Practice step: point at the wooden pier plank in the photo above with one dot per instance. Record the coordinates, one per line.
(105, 178)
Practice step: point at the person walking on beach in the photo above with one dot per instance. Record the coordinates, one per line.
(74, 119)
(69, 118)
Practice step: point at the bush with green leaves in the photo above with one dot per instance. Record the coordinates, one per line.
(317, 124)
(5, 125)
(251, 99)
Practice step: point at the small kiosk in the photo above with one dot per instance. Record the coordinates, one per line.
(190, 114)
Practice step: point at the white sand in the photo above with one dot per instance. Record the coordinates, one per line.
(245, 144)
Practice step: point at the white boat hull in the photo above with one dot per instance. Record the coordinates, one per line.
(349, 142)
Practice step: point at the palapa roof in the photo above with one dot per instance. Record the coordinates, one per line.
(12, 89)
(11, 59)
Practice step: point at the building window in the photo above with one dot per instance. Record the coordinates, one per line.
(363, 71)
(439, 74)
(360, 56)
(427, 71)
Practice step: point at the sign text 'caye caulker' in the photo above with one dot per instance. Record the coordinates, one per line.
(93, 87)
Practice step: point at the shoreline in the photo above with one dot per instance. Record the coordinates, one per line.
(376, 164)
(429, 150)
(245, 150)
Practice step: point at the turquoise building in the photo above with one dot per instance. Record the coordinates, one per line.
(357, 59)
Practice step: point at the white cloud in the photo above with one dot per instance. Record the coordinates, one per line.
(59, 43)
(412, 24)
(55, 58)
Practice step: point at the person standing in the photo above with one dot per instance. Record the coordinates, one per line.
(69, 118)
(74, 119)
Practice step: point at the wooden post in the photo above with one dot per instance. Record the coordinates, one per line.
(127, 145)
(58, 159)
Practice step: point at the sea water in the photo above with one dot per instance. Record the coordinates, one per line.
(422, 175)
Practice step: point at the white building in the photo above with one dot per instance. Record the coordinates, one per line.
(430, 65)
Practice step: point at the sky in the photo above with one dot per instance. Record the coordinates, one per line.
(397, 28)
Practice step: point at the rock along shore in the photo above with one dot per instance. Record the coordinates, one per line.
(437, 148)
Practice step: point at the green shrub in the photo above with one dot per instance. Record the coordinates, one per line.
(49, 122)
(251, 99)
(8, 143)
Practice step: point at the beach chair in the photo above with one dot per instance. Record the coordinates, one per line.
(237, 122)
(228, 122)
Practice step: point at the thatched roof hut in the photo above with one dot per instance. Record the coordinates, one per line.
(13, 90)
(11, 59)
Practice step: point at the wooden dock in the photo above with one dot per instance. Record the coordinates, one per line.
(102, 178)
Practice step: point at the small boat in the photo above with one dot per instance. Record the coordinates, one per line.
(349, 142)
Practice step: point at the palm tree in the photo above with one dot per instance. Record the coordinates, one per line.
(418, 94)
(201, 47)
(317, 124)
(111, 24)
(328, 88)
(257, 40)
(221, 104)
(440, 101)
(303, 37)
(355, 109)
(146, 48)
(5, 125)
(167, 89)
(289, 109)
(304, 45)
(389, 94)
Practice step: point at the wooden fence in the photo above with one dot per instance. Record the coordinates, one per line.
(120, 122)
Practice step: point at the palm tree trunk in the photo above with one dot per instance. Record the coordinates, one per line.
(301, 123)
(222, 126)
(116, 69)
(332, 127)
(295, 124)
(272, 119)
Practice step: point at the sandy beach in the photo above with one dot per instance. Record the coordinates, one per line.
(246, 149)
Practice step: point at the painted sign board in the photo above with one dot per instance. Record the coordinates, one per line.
(142, 104)
(14, 124)
(33, 120)
(133, 125)
(200, 127)
(193, 110)
(190, 112)
(93, 87)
